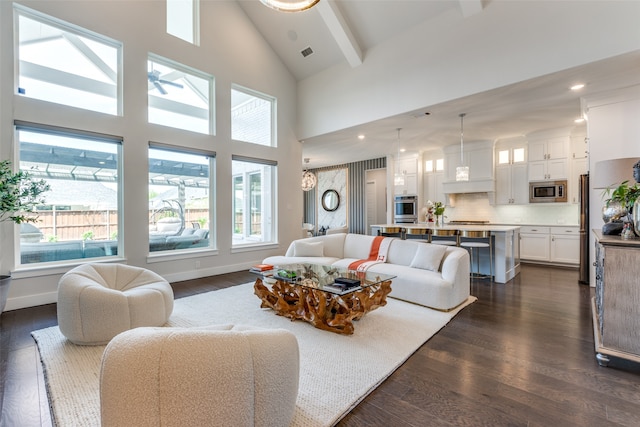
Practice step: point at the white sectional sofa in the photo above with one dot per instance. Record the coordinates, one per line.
(427, 274)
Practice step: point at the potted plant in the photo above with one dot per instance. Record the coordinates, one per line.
(619, 203)
(20, 193)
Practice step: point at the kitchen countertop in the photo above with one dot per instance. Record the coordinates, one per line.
(474, 227)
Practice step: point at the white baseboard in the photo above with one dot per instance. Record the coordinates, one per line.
(52, 297)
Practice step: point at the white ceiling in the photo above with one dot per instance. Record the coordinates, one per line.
(340, 32)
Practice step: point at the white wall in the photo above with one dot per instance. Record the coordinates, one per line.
(333, 179)
(613, 130)
(476, 206)
(234, 52)
(445, 58)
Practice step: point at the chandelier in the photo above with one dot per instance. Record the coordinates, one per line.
(290, 5)
(309, 180)
(462, 172)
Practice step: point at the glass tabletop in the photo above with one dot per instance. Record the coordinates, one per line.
(325, 277)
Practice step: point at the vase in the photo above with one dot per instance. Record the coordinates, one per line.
(437, 220)
(636, 217)
(613, 211)
(5, 281)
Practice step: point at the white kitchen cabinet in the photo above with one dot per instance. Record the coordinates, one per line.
(477, 155)
(557, 245)
(565, 245)
(512, 183)
(548, 149)
(408, 168)
(534, 243)
(433, 187)
(545, 170)
(548, 159)
(579, 147)
(433, 177)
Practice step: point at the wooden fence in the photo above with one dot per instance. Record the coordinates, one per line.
(94, 224)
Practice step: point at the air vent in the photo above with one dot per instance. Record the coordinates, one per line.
(306, 51)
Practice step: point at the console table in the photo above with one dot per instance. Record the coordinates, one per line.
(616, 304)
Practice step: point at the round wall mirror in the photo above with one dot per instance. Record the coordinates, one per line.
(330, 200)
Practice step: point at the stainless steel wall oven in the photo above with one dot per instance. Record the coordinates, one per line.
(405, 209)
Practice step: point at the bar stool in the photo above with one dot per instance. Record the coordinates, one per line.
(439, 232)
(391, 231)
(476, 246)
(421, 232)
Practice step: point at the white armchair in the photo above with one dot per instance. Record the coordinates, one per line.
(221, 375)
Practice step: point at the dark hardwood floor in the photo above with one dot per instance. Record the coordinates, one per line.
(522, 355)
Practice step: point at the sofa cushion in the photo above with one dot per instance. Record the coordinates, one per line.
(402, 252)
(303, 248)
(357, 246)
(428, 257)
(187, 231)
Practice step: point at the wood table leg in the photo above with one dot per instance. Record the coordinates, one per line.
(324, 310)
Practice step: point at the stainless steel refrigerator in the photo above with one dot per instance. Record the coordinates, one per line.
(584, 229)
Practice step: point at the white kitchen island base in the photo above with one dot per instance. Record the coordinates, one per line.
(506, 246)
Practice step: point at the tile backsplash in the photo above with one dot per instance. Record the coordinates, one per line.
(475, 206)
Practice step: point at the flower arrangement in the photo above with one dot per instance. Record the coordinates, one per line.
(438, 208)
(434, 209)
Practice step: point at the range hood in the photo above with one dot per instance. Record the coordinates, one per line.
(476, 186)
(481, 177)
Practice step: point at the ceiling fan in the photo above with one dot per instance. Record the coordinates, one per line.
(154, 77)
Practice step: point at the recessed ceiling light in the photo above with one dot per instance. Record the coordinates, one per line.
(360, 137)
(402, 150)
(577, 86)
(579, 120)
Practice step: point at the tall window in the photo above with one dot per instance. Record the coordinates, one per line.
(252, 117)
(183, 17)
(179, 96)
(65, 64)
(254, 190)
(81, 216)
(179, 198)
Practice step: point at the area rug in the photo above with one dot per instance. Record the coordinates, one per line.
(336, 371)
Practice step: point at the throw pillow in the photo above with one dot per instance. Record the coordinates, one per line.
(428, 256)
(308, 249)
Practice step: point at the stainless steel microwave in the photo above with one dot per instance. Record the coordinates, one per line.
(548, 191)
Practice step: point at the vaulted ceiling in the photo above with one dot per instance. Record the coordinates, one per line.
(341, 32)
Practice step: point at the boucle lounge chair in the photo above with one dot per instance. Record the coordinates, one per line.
(98, 301)
(208, 376)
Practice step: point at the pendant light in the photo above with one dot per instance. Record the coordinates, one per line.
(462, 171)
(398, 179)
(309, 180)
(289, 5)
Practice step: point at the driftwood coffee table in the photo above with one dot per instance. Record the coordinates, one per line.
(310, 292)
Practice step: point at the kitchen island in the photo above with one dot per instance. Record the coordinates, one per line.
(506, 243)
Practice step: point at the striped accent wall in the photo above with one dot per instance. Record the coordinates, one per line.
(356, 175)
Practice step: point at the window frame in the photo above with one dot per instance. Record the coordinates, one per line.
(195, 22)
(273, 101)
(20, 10)
(212, 235)
(269, 222)
(117, 142)
(166, 62)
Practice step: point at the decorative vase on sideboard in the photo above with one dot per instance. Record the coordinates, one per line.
(636, 216)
